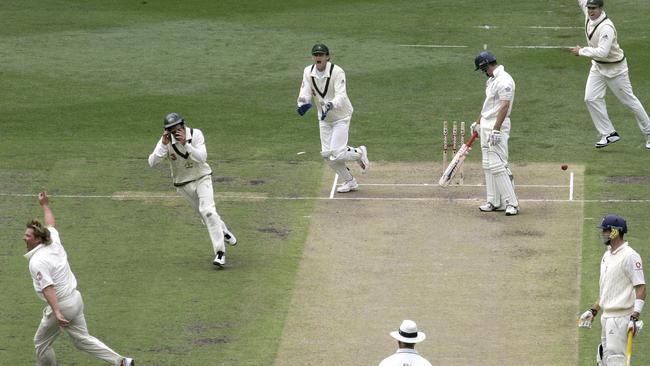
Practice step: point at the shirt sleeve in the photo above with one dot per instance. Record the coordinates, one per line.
(40, 272)
(340, 90)
(159, 153)
(583, 6)
(54, 234)
(634, 269)
(506, 91)
(305, 90)
(197, 149)
(604, 44)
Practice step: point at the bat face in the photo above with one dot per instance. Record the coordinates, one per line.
(456, 162)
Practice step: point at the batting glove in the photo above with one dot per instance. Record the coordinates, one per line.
(303, 109)
(495, 137)
(326, 110)
(475, 127)
(635, 325)
(586, 318)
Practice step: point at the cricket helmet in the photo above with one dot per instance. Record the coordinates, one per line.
(172, 120)
(612, 222)
(598, 3)
(320, 48)
(483, 59)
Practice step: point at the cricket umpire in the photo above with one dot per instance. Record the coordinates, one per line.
(55, 284)
(493, 127)
(185, 149)
(622, 293)
(325, 82)
(608, 69)
(407, 337)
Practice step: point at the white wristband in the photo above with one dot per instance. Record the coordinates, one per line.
(638, 305)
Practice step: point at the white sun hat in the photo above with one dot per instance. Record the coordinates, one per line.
(408, 333)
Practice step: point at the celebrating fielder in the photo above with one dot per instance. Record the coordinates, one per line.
(325, 82)
(622, 293)
(55, 284)
(494, 130)
(184, 147)
(608, 69)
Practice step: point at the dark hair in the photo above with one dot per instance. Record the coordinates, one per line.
(40, 231)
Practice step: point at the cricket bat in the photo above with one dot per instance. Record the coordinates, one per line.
(628, 350)
(456, 162)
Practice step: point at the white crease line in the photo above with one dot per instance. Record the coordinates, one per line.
(550, 27)
(432, 45)
(241, 198)
(541, 47)
(336, 179)
(458, 185)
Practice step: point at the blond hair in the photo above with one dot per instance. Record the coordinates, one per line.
(40, 231)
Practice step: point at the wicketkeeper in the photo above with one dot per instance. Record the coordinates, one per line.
(323, 83)
(622, 294)
(493, 127)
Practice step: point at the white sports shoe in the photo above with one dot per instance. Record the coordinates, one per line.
(607, 139)
(647, 142)
(364, 163)
(489, 207)
(511, 210)
(348, 186)
(230, 237)
(127, 362)
(220, 259)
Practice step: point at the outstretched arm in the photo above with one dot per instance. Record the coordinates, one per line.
(44, 201)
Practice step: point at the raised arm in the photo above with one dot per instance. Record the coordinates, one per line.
(44, 201)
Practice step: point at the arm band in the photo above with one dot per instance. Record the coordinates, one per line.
(638, 305)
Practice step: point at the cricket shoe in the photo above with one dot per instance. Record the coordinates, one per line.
(489, 207)
(608, 139)
(647, 142)
(512, 210)
(364, 163)
(220, 259)
(230, 237)
(127, 362)
(348, 186)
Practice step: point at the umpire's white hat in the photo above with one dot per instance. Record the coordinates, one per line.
(408, 333)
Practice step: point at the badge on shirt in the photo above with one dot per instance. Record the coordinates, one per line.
(637, 265)
(39, 276)
(172, 156)
(188, 164)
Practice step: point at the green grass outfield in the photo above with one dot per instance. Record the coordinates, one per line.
(85, 85)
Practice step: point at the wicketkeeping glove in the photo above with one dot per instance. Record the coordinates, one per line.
(326, 110)
(495, 137)
(585, 319)
(303, 109)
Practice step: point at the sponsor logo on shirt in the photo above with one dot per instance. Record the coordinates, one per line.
(637, 265)
(39, 276)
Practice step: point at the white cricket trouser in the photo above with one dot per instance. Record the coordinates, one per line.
(72, 307)
(621, 87)
(200, 195)
(614, 340)
(499, 188)
(334, 146)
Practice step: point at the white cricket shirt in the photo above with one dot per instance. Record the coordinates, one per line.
(620, 271)
(498, 87)
(48, 265)
(405, 356)
(188, 162)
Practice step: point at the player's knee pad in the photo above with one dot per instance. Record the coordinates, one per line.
(497, 166)
(614, 360)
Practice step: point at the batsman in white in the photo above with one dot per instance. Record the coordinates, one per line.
(407, 336)
(622, 293)
(324, 84)
(184, 147)
(55, 284)
(493, 127)
(608, 69)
